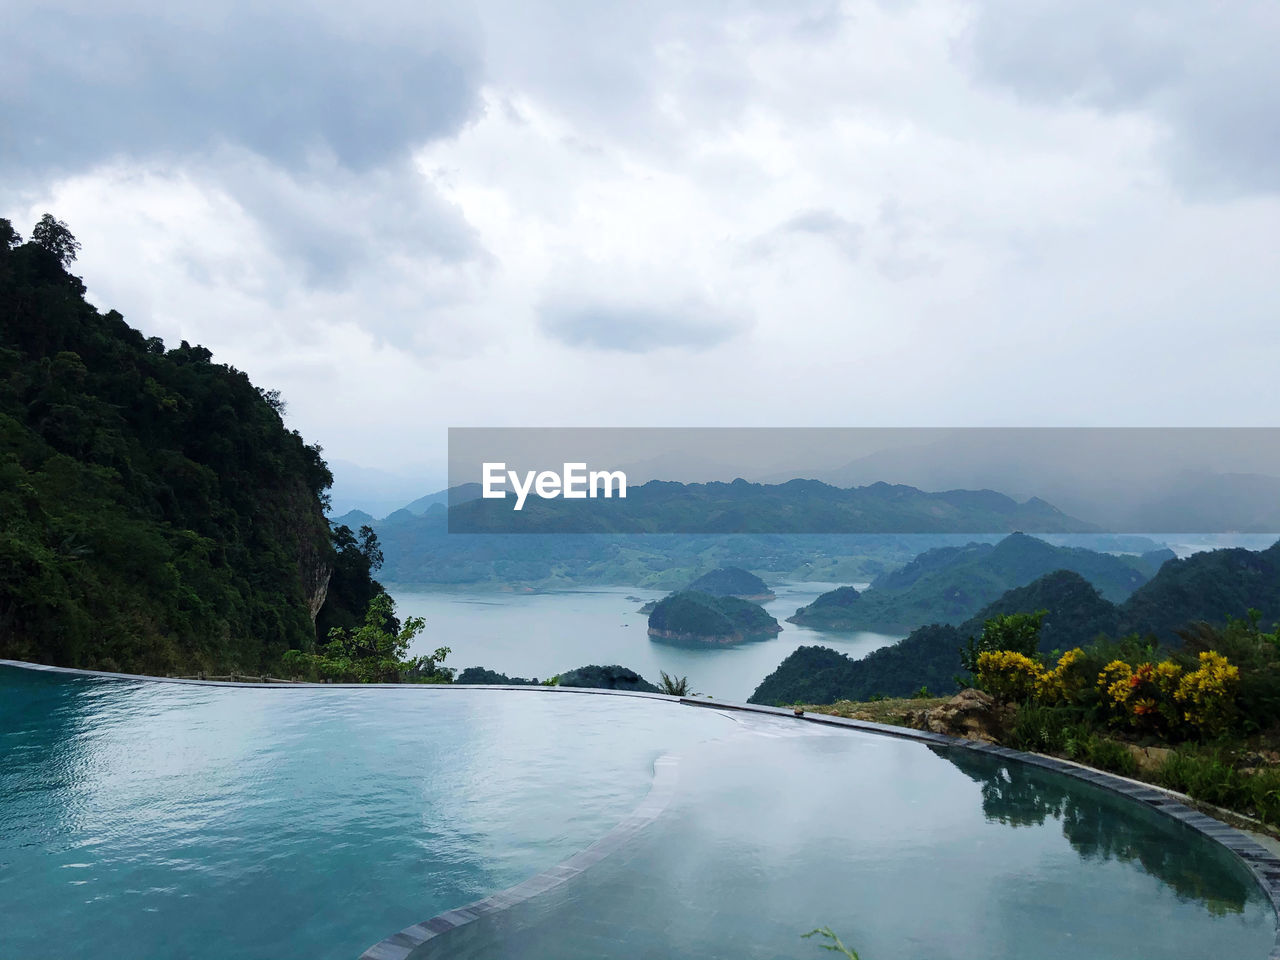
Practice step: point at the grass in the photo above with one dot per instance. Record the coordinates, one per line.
(1214, 775)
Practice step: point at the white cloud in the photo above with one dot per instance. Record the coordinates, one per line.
(865, 213)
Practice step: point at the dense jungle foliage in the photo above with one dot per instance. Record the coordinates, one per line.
(156, 515)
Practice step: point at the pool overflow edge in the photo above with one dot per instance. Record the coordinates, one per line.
(400, 945)
(1262, 864)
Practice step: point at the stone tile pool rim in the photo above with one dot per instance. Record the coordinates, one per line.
(1262, 864)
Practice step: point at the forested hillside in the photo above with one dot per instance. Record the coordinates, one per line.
(1206, 587)
(951, 584)
(930, 655)
(155, 513)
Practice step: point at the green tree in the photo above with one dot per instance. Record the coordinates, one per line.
(372, 653)
(351, 585)
(1019, 632)
(674, 686)
(55, 237)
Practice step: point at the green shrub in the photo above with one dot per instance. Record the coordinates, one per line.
(1257, 654)
(1212, 775)
(1107, 754)
(1039, 728)
(1017, 632)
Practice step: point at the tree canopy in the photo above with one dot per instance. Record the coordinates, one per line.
(54, 236)
(156, 514)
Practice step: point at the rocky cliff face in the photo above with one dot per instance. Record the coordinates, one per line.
(677, 636)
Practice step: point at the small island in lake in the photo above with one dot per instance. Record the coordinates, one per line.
(696, 617)
(835, 610)
(733, 582)
(724, 582)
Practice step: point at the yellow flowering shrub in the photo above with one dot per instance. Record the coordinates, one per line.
(1207, 695)
(1064, 682)
(1160, 697)
(1114, 681)
(1007, 674)
(1154, 698)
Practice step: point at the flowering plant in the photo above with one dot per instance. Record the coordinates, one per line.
(1207, 695)
(1007, 674)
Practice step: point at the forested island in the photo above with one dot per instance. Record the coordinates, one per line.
(836, 609)
(693, 617)
(732, 582)
(156, 515)
(592, 676)
(725, 582)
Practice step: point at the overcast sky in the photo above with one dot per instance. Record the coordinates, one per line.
(408, 216)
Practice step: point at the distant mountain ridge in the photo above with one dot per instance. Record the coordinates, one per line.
(797, 506)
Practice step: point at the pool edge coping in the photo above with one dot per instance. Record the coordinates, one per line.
(1262, 864)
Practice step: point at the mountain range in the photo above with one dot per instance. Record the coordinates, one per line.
(797, 506)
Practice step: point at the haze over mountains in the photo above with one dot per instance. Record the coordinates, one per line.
(1142, 480)
(1172, 482)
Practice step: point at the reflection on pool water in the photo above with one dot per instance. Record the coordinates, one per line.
(907, 852)
(143, 820)
(156, 821)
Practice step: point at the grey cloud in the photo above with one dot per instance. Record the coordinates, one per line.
(334, 222)
(827, 225)
(1108, 55)
(305, 114)
(88, 82)
(845, 234)
(1207, 72)
(638, 328)
(608, 67)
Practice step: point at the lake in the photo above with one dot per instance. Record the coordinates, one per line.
(542, 634)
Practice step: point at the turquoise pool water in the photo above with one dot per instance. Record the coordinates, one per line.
(149, 821)
(154, 821)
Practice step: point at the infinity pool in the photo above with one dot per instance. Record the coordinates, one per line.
(158, 821)
(142, 820)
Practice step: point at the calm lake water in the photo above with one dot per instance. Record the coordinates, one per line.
(540, 635)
